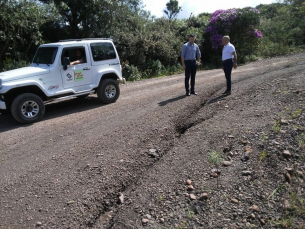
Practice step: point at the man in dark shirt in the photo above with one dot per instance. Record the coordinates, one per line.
(78, 58)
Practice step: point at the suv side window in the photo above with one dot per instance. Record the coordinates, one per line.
(102, 51)
(75, 53)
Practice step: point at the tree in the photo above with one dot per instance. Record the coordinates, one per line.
(92, 18)
(241, 25)
(20, 27)
(172, 9)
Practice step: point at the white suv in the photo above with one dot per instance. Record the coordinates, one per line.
(69, 68)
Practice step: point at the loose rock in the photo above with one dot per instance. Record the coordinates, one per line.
(190, 188)
(254, 208)
(289, 170)
(246, 173)
(286, 205)
(203, 196)
(214, 174)
(121, 198)
(38, 224)
(246, 156)
(262, 221)
(188, 182)
(153, 153)
(286, 153)
(235, 201)
(193, 197)
(284, 122)
(227, 163)
(145, 221)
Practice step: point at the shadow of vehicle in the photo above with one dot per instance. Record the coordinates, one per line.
(53, 110)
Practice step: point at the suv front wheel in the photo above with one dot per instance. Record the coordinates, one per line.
(27, 108)
(108, 91)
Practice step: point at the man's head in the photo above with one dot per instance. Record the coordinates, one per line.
(225, 40)
(78, 52)
(192, 39)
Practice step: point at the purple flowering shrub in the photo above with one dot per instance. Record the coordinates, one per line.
(239, 24)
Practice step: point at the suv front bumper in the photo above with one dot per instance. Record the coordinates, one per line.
(2, 105)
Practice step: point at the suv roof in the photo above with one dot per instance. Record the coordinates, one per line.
(73, 41)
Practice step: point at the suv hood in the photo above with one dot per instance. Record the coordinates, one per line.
(22, 73)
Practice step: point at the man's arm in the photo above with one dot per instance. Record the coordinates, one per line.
(182, 62)
(235, 59)
(198, 55)
(77, 62)
(182, 56)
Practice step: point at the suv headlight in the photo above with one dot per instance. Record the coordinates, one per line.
(0, 83)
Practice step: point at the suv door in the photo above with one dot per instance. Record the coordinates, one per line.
(78, 74)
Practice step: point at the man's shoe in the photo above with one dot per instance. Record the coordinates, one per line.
(228, 93)
(194, 93)
(225, 92)
(187, 94)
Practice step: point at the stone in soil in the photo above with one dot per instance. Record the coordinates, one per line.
(227, 163)
(246, 173)
(190, 188)
(235, 201)
(39, 224)
(193, 197)
(286, 205)
(246, 156)
(214, 174)
(289, 170)
(153, 153)
(284, 122)
(286, 153)
(203, 196)
(188, 182)
(145, 221)
(254, 208)
(121, 198)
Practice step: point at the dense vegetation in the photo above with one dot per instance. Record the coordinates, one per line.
(148, 46)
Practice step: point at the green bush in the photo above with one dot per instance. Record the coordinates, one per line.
(9, 64)
(131, 73)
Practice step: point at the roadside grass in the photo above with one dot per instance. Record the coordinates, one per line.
(262, 156)
(277, 126)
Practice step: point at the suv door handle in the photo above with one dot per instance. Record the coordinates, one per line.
(114, 64)
(86, 68)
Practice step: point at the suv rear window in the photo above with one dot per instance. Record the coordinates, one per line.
(103, 51)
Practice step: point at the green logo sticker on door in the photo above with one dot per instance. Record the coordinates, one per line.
(78, 75)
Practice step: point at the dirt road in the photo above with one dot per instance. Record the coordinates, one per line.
(68, 170)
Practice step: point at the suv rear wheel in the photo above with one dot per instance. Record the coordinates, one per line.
(108, 91)
(27, 108)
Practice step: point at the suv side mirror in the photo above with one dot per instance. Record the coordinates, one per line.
(66, 62)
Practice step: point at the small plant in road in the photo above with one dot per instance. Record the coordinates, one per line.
(215, 158)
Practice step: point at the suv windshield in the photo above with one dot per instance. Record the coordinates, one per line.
(45, 55)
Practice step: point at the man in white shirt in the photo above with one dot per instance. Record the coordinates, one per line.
(229, 59)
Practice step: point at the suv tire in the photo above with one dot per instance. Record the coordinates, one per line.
(108, 91)
(28, 108)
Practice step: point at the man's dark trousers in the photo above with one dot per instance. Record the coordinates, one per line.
(227, 68)
(190, 71)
